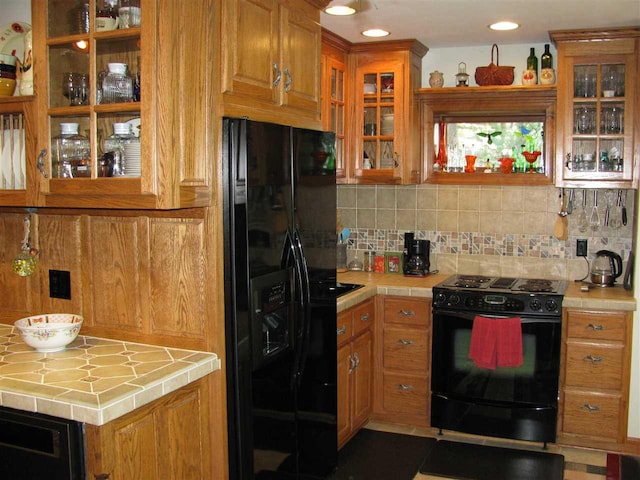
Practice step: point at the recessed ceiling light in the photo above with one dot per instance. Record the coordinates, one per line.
(340, 10)
(504, 26)
(375, 32)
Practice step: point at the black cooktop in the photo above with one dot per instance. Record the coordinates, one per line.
(505, 284)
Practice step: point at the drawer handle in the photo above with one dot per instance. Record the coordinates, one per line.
(406, 313)
(405, 388)
(404, 342)
(365, 317)
(341, 331)
(591, 408)
(595, 328)
(592, 359)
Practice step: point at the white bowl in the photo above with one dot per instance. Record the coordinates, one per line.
(369, 88)
(49, 332)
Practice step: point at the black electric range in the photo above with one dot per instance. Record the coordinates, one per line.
(505, 295)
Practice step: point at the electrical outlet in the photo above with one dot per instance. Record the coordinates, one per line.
(60, 284)
(581, 247)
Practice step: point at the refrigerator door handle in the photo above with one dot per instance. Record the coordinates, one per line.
(238, 147)
(304, 331)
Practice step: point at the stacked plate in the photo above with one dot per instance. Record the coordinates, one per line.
(132, 167)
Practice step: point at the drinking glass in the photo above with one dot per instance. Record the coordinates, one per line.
(67, 81)
(79, 89)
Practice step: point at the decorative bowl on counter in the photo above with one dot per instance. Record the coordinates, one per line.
(49, 332)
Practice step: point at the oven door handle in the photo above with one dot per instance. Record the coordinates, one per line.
(471, 315)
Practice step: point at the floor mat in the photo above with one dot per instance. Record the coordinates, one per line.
(465, 461)
(373, 454)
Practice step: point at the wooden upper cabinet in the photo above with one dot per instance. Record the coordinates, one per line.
(175, 109)
(335, 112)
(18, 151)
(386, 139)
(271, 67)
(598, 142)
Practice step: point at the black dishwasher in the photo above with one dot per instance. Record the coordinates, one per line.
(34, 446)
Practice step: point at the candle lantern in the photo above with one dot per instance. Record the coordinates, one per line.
(462, 76)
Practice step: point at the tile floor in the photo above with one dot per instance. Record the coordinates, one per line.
(580, 463)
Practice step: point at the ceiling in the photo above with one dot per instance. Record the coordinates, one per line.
(461, 23)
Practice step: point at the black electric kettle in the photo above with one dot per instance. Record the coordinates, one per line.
(606, 267)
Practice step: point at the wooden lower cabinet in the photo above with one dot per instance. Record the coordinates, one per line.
(403, 360)
(594, 380)
(355, 369)
(166, 439)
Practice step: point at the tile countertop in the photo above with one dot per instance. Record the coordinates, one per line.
(93, 380)
(610, 298)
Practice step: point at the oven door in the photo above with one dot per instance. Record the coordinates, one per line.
(516, 402)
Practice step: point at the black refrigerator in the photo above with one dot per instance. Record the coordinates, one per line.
(280, 258)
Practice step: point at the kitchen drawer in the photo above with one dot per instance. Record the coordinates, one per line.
(405, 348)
(363, 316)
(405, 394)
(597, 326)
(406, 311)
(594, 365)
(592, 414)
(344, 327)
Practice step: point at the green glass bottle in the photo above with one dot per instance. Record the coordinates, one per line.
(546, 60)
(532, 61)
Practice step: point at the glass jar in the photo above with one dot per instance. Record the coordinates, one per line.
(70, 153)
(369, 260)
(117, 85)
(115, 144)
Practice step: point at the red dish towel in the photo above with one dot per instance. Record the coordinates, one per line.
(496, 342)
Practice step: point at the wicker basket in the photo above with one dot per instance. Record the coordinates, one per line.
(494, 74)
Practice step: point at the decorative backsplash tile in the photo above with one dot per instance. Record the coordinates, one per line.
(481, 227)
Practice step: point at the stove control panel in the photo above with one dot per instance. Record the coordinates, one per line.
(499, 303)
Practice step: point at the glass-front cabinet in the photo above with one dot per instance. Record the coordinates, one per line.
(124, 103)
(386, 138)
(380, 140)
(334, 97)
(597, 90)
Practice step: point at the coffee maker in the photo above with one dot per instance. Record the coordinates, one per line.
(415, 257)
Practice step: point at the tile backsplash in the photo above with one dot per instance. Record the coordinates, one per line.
(483, 229)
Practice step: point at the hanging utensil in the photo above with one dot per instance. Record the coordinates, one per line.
(624, 208)
(560, 231)
(583, 223)
(594, 219)
(616, 219)
(572, 199)
(608, 195)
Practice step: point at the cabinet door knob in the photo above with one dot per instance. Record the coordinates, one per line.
(595, 328)
(341, 331)
(365, 317)
(406, 313)
(40, 162)
(288, 81)
(276, 69)
(405, 388)
(592, 359)
(404, 342)
(591, 408)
